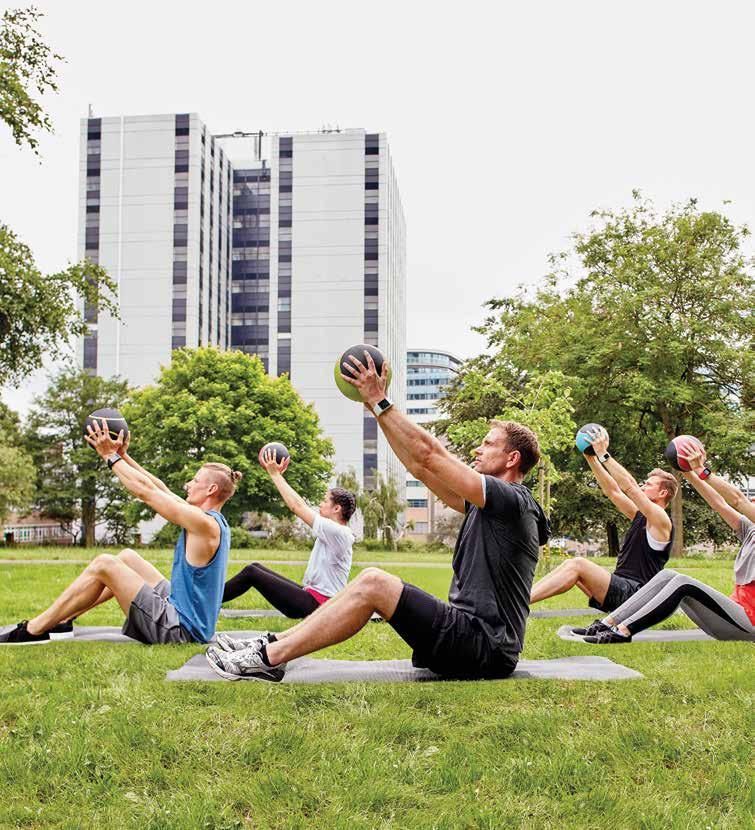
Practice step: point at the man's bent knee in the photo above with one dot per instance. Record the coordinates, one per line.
(102, 562)
(373, 580)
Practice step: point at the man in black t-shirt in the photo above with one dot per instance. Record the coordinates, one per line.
(646, 545)
(479, 632)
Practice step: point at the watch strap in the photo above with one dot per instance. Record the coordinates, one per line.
(381, 406)
(112, 460)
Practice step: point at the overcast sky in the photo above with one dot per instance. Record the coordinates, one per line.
(508, 122)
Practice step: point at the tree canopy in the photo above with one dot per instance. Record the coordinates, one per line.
(648, 316)
(222, 406)
(73, 483)
(27, 67)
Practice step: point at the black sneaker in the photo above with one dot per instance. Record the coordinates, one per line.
(62, 631)
(613, 635)
(594, 628)
(19, 636)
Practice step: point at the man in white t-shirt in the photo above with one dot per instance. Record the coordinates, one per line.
(329, 563)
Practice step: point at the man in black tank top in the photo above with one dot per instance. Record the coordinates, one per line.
(646, 545)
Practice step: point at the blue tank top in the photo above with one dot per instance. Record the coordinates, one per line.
(197, 593)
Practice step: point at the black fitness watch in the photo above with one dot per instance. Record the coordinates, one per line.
(112, 460)
(381, 406)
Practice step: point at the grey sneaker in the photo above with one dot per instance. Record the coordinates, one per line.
(227, 643)
(246, 664)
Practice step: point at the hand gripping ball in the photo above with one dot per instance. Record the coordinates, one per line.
(671, 451)
(115, 422)
(582, 439)
(358, 351)
(281, 453)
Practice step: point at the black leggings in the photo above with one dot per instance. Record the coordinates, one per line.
(282, 593)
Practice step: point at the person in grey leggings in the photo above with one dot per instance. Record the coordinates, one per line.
(722, 617)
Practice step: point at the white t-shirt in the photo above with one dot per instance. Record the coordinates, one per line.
(330, 561)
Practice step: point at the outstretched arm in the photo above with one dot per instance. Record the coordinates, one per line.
(293, 500)
(658, 521)
(421, 453)
(715, 500)
(610, 488)
(695, 457)
(123, 452)
(175, 510)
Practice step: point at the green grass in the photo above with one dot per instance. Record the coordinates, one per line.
(92, 736)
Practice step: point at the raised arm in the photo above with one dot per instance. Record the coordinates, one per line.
(715, 500)
(421, 453)
(658, 521)
(174, 510)
(123, 452)
(610, 488)
(695, 457)
(293, 500)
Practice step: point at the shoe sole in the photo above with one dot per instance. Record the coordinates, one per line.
(221, 672)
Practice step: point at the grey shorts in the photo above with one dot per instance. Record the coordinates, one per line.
(152, 619)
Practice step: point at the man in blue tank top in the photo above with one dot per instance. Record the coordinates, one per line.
(647, 543)
(183, 610)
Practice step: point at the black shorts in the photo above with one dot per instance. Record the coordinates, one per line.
(619, 591)
(445, 639)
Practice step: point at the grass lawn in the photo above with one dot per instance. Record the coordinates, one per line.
(92, 736)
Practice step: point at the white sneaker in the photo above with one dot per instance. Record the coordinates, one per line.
(246, 664)
(227, 643)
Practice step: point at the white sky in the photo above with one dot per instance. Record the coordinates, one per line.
(508, 122)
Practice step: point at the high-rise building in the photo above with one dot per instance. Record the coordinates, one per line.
(293, 255)
(428, 372)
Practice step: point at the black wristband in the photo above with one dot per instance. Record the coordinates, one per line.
(113, 460)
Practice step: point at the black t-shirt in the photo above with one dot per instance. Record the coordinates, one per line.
(494, 562)
(636, 559)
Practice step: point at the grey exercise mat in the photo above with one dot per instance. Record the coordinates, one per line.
(107, 634)
(310, 670)
(253, 613)
(659, 635)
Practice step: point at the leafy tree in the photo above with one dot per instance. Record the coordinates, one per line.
(17, 474)
(381, 507)
(649, 316)
(27, 65)
(73, 483)
(222, 406)
(39, 312)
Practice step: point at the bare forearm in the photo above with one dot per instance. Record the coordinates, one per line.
(138, 484)
(138, 467)
(602, 476)
(622, 477)
(293, 500)
(710, 495)
(413, 445)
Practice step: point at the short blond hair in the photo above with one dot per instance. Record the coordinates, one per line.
(225, 478)
(668, 482)
(522, 439)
